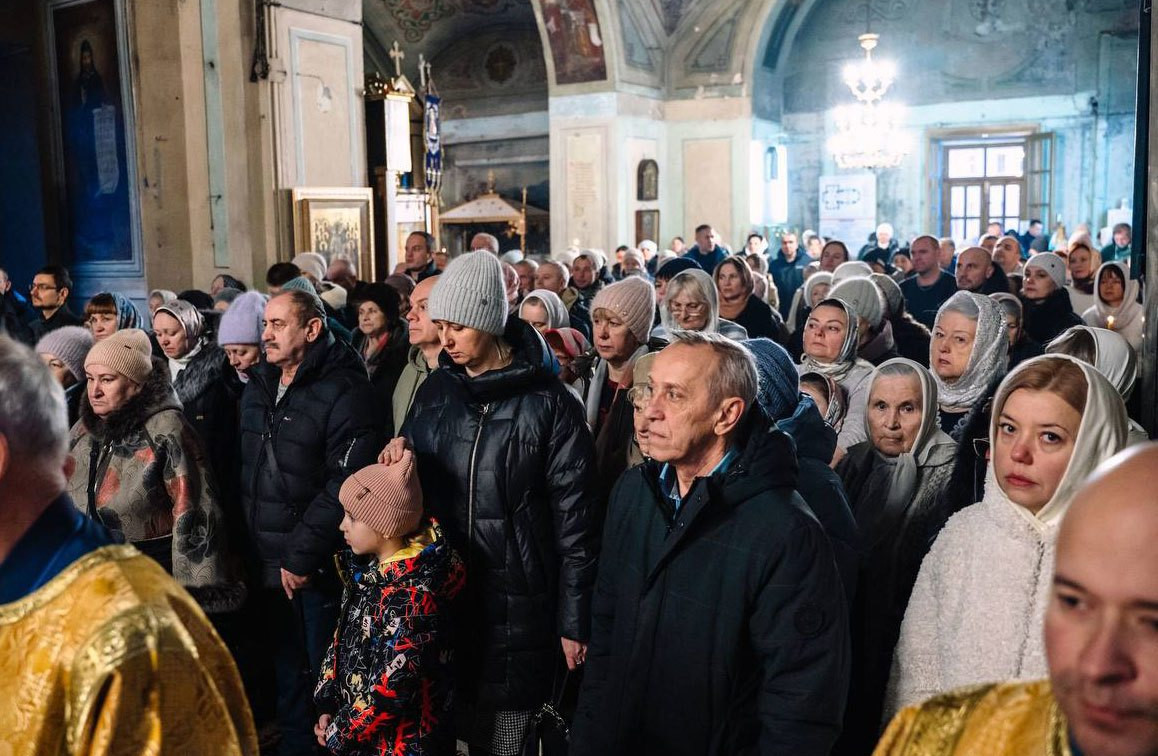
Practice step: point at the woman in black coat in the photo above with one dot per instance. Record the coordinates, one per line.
(506, 464)
(1046, 303)
(201, 376)
(382, 341)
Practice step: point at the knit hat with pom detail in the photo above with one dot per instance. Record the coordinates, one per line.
(70, 345)
(471, 293)
(127, 351)
(388, 498)
(633, 300)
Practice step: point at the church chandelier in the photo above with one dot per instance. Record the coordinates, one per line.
(868, 132)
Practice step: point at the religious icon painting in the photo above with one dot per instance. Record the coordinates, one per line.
(93, 112)
(335, 220)
(646, 225)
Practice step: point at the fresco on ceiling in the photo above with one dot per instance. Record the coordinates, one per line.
(416, 17)
(576, 42)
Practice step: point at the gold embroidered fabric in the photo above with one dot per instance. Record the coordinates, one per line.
(1010, 719)
(111, 657)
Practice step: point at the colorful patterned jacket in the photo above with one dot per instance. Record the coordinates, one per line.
(142, 472)
(386, 680)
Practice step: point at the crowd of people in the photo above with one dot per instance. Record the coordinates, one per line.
(699, 501)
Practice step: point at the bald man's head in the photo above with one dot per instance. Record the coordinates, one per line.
(974, 267)
(1101, 629)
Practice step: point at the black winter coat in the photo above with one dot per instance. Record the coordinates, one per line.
(506, 463)
(720, 629)
(295, 455)
(384, 368)
(1043, 320)
(822, 489)
(912, 339)
(210, 406)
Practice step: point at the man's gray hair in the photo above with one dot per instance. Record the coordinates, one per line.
(491, 240)
(735, 373)
(563, 271)
(342, 257)
(33, 413)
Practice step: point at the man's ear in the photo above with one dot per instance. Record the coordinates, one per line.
(313, 329)
(64, 292)
(5, 456)
(69, 467)
(731, 412)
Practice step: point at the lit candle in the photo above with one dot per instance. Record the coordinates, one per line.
(1110, 322)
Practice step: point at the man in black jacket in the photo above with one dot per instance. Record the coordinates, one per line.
(51, 287)
(718, 624)
(307, 422)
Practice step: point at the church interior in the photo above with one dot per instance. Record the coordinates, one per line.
(159, 143)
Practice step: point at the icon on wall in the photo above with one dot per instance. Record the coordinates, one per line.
(646, 225)
(335, 220)
(647, 181)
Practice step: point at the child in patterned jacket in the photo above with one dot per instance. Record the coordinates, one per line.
(386, 679)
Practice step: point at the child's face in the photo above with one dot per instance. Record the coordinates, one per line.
(360, 536)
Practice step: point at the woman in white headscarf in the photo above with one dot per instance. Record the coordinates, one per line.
(1116, 306)
(691, 303)
(1111, 355)
(544, 311)
(968, 355)
(831, 338)
(976, 611)
(895, 481)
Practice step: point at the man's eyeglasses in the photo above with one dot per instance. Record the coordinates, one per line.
(43, 287)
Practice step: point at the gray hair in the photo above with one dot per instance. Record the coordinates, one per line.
(735, 374)
(33, 414)
(967, 306)
(342, 257)
(566, 274)
(701, 285)
(491, 240)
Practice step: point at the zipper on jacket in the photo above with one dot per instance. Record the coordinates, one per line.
(470, 494)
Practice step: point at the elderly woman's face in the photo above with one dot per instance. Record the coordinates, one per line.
(824, 333)
(1035, 440)
(170, 335)
(895, 412)
(952, 345)
(371, 319)
(689, 311)
(108, 390)
(1013, 328)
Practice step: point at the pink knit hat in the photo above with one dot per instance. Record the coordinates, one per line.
(632, 299)
(388, 498)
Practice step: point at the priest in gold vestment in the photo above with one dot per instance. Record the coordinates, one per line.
(1101, 641)
(100, 651)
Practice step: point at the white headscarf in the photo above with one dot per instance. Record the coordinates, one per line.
(846, 358)
(931, 446)
(1101, 435)
(1124, 314)
(557, 316)
(1113, 357)
(820, 277)
(990, 352)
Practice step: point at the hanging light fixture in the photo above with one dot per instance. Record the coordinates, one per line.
(868, 134)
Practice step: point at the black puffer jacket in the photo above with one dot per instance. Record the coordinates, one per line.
(506, 463)
(384, 367)
(296, 455)
(210, 407)
(720, 629)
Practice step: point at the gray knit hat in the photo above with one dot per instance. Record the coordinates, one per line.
(470, 292)
(70, 345)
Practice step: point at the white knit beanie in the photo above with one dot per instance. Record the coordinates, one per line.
(1052, 264)
(470, 292)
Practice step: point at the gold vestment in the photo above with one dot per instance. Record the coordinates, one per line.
(1008, 719)
(112, 657)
